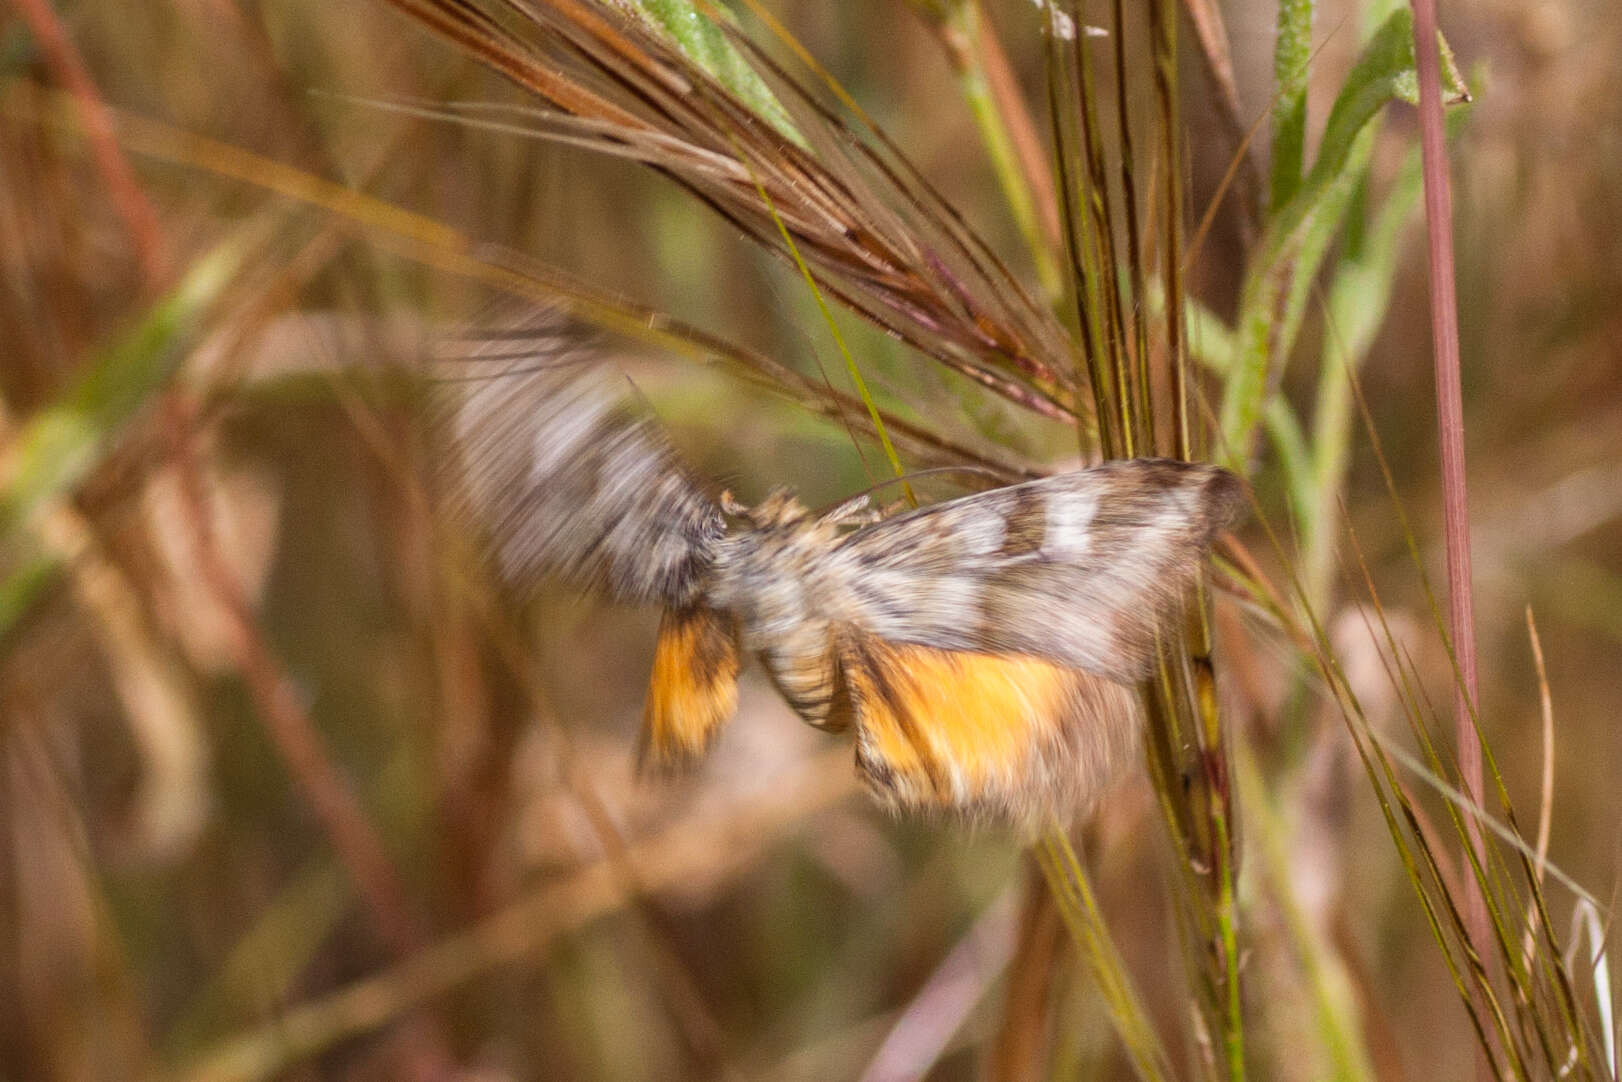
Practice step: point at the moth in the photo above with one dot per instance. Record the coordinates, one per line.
(984, 651)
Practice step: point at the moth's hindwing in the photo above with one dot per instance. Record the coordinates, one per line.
(564, 480)
(1081, 568)
(1007, 737)
(694, 687)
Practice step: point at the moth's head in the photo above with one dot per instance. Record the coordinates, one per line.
(779, 508)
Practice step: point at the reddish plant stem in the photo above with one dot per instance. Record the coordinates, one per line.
(290, 727)
(1004, 86)
(426, 1050)
(1211, 35)
(1450, 428)
(140, 220)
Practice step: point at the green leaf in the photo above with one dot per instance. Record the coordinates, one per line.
(706, 45)
(1384, 73)
(1274, 295)
(1291, 55)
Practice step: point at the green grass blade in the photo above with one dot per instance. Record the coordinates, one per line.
(1292, 53)
(1071, 889)
(1292, 250)
(691, 30)
(60, 445)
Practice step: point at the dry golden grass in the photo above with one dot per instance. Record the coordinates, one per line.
(287, 792)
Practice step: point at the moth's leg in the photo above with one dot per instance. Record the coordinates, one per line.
(856, 511)
(694, 686)
(859, 511)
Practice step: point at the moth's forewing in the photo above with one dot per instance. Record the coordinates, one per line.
(564, 482)
(1005, 737)
(1081, 569)
(693, 689)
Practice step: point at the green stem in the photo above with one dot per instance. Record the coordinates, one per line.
(1079, 908)
(962, 35)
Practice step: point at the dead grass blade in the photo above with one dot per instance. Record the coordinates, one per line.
(873, 232)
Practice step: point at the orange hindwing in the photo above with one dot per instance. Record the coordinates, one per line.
(694, 686)
(1005, 736)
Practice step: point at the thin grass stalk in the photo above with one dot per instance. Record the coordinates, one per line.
(1538, 1018)
(992, 96)
(1137, 345)
(1474, 962)
(1546, 786)
(1181, 705)
(1085, 921)
(1095, 288)
(1197, 804)
(1062, 90)
(1216, 759)
(1408, 688)
(1463, 824)
(851, 366)
(1550, 1003)
(1488, 874)
(1434, 888)
(1401, 821)
(1100, 223)
(1214, 745)
(1195, 799)
(1216, 904)
(1537, 921)
(1163, 44)
(1450, 426)
(1163, 36)
(1211, 35)
(1406, 680)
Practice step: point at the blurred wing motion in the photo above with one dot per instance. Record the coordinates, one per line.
(1082, 569)
(1010, 738)
(563, 480)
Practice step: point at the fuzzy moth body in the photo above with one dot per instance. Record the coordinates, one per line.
(984, 650)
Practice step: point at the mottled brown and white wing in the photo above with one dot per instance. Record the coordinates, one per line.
(563, 478)
(1081, 569)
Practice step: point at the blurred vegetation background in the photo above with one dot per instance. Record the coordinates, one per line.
(284, 793)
